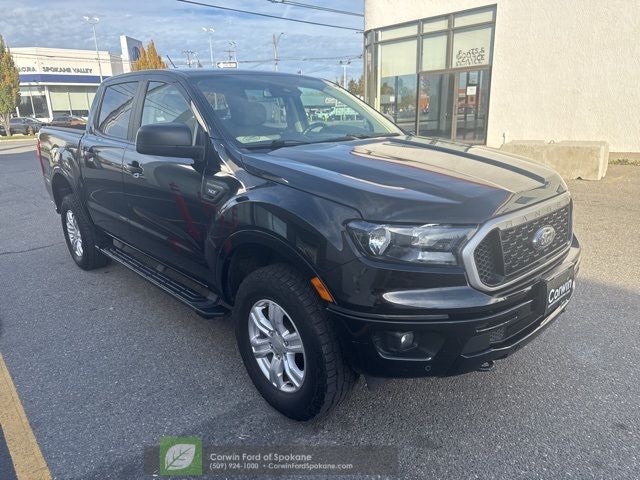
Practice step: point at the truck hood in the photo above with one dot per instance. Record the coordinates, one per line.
(411, 179)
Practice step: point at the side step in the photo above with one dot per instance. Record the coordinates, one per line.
(205, 306)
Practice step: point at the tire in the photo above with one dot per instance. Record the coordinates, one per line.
(327, 377)
(87, 255)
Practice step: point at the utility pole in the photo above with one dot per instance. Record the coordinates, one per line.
(233, 57)
(210, 31)
(93, 21)
(275, 50)
(188, 53)
(345, 64)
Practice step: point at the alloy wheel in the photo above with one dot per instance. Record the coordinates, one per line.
(73, 232)
(276, 345)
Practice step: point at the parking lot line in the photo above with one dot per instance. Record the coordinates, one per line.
(28, 462)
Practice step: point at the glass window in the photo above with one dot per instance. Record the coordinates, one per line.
(397, 93)
(59, 100)
(435, 25)
(472, 47)
(435, 104)
(473, 18)
(163, 103)
(116, 109)
(397, 32)
(434, 52)
(79, 103)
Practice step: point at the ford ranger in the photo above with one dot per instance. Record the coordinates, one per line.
(340, 245)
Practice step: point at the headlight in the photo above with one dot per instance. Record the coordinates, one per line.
(432, 244)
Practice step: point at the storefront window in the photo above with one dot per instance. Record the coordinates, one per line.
(60, 104)
(472, 47)
(473, 18)
(397, 92)
(397, 32)
(434, 103)
(436, 81)
(435, 25)
(434, 52)
(33, 102)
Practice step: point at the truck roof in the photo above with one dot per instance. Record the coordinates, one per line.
(205, 72)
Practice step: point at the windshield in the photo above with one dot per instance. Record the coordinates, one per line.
(272, 111)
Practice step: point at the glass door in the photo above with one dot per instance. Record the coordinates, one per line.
(435, 103)
(471, 106)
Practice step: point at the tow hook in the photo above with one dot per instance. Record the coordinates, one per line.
(486, 366)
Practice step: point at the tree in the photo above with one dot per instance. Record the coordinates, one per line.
(9, 86)
(149, 59)
(356, 87)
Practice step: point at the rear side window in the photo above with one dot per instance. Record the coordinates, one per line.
(115, 111)
(164, 103)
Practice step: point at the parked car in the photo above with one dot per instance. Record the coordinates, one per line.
(67, 121)
(338, 249)
(25, 125)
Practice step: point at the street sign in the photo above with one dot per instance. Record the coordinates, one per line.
(227, 64)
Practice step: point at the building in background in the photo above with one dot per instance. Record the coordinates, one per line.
(60, 81)
(492, 72)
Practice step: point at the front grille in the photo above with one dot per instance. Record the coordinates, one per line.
(505, 254)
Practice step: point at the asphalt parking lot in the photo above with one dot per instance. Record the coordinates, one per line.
(105, 363)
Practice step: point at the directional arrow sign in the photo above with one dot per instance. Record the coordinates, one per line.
(227, 64)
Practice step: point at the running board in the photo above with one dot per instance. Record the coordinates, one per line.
(205, 306)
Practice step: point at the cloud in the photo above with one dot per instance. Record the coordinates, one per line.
(176, 26)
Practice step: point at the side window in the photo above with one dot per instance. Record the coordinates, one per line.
(116, 109)
(164, 103)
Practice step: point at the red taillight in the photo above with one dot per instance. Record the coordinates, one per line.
(39, 155)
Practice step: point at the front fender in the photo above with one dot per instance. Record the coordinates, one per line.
(306, 230)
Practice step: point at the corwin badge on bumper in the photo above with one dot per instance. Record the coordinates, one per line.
(558, 289)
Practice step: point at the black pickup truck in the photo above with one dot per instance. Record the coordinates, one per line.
(340, 245)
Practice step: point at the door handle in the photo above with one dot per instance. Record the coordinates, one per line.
(135, 169)
(89, 155)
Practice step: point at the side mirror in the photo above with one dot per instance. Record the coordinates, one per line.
(167, 140)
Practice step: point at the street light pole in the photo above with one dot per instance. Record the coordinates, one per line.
(275, 50)
(93, 21)
(210, 31)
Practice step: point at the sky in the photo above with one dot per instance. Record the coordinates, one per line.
(175, 26)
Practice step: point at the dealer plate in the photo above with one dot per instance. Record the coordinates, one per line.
(559, 288)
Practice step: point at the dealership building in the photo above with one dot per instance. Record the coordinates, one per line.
(57, 81)
(510, 70)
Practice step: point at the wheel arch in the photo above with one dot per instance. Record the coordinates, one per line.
(247, 250)
(60, 187)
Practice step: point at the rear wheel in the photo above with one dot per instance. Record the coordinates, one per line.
(288, 345)
(81, 235)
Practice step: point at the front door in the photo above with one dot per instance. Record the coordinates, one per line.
(101, 159)
(167, 216)
(471, 106)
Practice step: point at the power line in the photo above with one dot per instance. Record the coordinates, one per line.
(316, 7)
(269, 16)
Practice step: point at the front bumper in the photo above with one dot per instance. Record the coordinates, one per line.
(459, 329)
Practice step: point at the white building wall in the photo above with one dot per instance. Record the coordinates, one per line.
(47, 60)
(562, 69)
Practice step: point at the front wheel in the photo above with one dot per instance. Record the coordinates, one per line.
(81, 235)
(288, 345)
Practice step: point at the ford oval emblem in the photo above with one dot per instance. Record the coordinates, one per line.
(543, 237)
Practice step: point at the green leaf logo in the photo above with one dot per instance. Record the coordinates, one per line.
(180, 456)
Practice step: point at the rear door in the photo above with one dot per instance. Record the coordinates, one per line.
(102, 153)
(167, 216)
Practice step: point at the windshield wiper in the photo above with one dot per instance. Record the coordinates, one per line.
(356, 136)
(277, 144)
